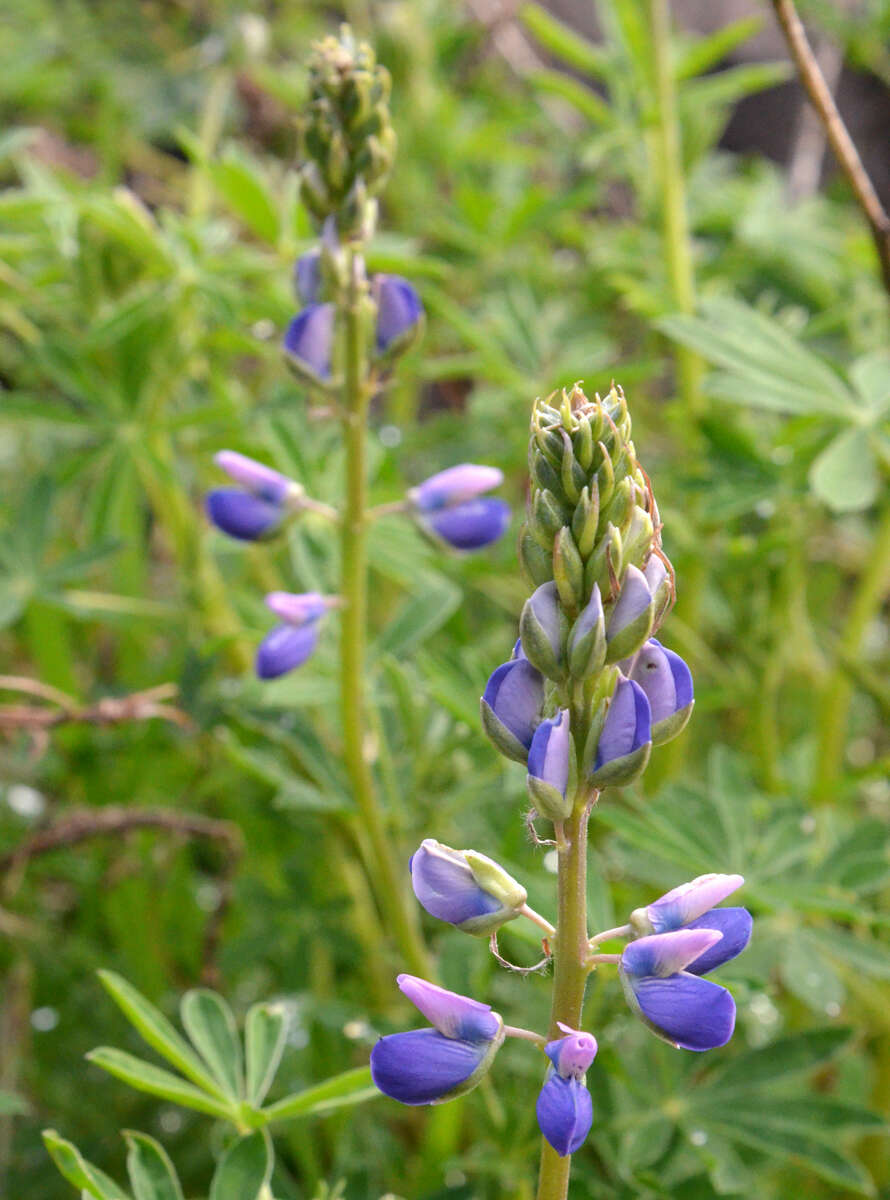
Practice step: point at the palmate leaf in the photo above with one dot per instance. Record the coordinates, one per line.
(209, 1022)
(782, 1059)
(152, 1174)
(845, 475)
(146, 1077)
(78, 1171)
(265, 1032)
(244, 1170)
(352, 1087)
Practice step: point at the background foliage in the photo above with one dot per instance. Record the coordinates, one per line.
(148, 225)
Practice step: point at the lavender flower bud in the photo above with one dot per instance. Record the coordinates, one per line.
(465, 888)
(565, 1113)
(298, 608)
(430, 1066)
(284, 649)
(307, 277)
(549, 761)
(625, 739)
(630, 621)
(541, 627)
(261, 481)
(242, 515)
(667, 682)
(455, 485)
(587, 641)
(309, 343)
(399, 313)
(511, 707)
(681, 1008)
(472, 525)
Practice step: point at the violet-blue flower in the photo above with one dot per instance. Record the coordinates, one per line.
(511, 707)
(541, 628)
(430, 1066)
(549, 760)
(691, 906)
(464, 888)
(307, 277)
(630, 621)
(472, 525)
(455, 485)
(565, 1108)
(242, 515)
(626, 736)
(399, 310)
(309, 341)
(680, 1007)
(289, 645)
(667, 682)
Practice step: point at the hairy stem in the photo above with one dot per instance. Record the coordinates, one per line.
(569, 970)
(387, 879)
(838, 690)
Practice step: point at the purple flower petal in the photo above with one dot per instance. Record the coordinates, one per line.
(735, 924)
(664, 954)
(689, 1012)
(548, 756)
(565, 1113)
(242, 515)
(453, 1015)
(664, 677)
(422, 1066)
(445, 885)
(284, 649)
(633, 600)
(544, 603)
(681, 905)
(310, 338)
(297, 608)
(590, 617)
(398, 308)
(572, 1055)
(515, 693)
(627, 725)
(655, 572)
(455, 485)
(262, 481)
(471, 525)
(307, 277)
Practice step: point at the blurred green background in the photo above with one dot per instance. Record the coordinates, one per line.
(148, 224)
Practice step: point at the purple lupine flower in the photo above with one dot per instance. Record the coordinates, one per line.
(564, 1108)
(455, 485)
(399, 310)
(541, 628)
(429, 1066)
(472, 525)
(667, 682)
(464, 888)
(680, 1007)
(633, 606)
(548, 756)
(571, 1055)
(307, 277)
(298, 608)
(626, 733)
(309, 340)
(242, 515)
(586, 644)
(284, 649)
(511, 706)
(690, 906)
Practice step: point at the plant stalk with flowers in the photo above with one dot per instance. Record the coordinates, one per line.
(588, 691)
(341, 345)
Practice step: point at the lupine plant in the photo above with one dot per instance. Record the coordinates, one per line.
(587, 693)
(341, 345)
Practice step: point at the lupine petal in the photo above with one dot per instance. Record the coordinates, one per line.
(422, 1066)
(633, 600)
(735, 924)
(307, 277)
(572, 1055)
(627, 725)
(262, 481)
(398, 308)
(310, 338)
(453, 1015)
(548, 756)
(456, 485)
(515, 693)
(242, 515)
(689, 1012)
(471, 525)
(664, 954)
(284, 649)
(681, 905)
(565, 1113)
(297, 608)
(446, 887)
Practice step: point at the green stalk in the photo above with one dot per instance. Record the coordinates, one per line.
(388, 880)
(677, 242)
(570, 952)
(838, 691)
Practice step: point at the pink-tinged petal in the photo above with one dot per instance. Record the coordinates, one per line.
(565, 1113)
(262, 481)
(683, 904)
(454, 1016)
(297, 608)
(663, 954)
(572, 1055)
(455, 485)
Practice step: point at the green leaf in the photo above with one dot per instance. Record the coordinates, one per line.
(787, 1056)
(581, 97)
(420, 617)
(870, 375)
(11, 1105)
(565, 43)
(707, 52)
(145, 1077)
(820, 1116)
(265, 1032)
(239, 183)
(157, 1031)
(352, 1087)
(727, 87)
(209, 1022)
(152, 1175)
(845, 475)
(82, 1174)
(244, 1170)
(858, 952)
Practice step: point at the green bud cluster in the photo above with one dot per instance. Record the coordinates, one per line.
(347, 141)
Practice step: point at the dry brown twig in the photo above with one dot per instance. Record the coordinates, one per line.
(839, 139)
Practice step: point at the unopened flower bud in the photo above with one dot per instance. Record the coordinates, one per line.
(465, 888)
(587, 640)
(307, 277)
(511, 707)
(399, 313)
(630, 621)
(667, 682)
(541, 626)
(564, 1108)
(285, 648)
(472, 525)
(242, 515)
(625, 740)
(549, 767)
(309, 342)
(455, 485)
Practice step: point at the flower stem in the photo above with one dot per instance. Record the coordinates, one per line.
(608, 935)
(540, 921)
(569, 970)
(527, 1034)
(386, 879)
